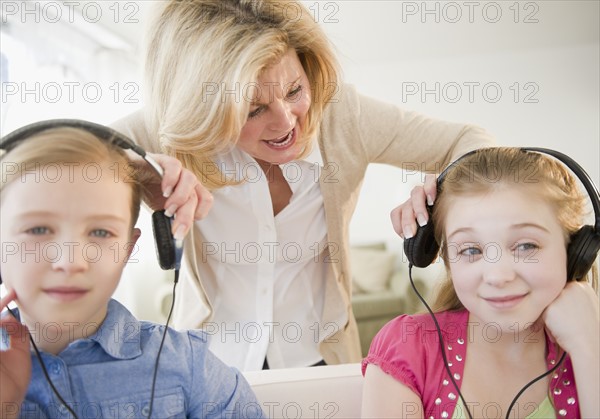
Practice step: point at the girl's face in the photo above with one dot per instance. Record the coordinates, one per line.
(66, 234)
(280, 102)
(507, 256)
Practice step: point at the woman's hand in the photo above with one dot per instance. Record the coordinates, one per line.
(15, 361)
(405, 217)
(179, 193)
(573, 318)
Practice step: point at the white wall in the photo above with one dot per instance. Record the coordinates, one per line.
(528, 72)
(548, 73)
(546, 51)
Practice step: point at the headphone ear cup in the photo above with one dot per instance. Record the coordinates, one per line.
(165, 245)
(582, 252)
(422, 249)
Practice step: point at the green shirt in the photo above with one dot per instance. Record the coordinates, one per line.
(544, 411)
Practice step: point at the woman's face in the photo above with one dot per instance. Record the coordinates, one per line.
(280, 103)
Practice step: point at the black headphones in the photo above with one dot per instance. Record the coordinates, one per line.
(168, 251)
(422, 249)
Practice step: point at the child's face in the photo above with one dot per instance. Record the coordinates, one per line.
(507, 256)
(65, 240)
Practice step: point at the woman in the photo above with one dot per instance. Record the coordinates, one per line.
(247, 95)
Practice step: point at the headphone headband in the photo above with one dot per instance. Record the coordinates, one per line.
(169, 252)
(581, 174)
(575, 168)
(422, 249)
(11, 140)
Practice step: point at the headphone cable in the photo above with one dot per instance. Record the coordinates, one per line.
(161, 344)
(550, 371)
(440, 338)
(45, 371)
(55, 391)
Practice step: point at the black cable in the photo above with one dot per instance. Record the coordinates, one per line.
(57, 394)
(550, 371)
(440, 339)
(442, 348)
(161, 344)
(45, 371)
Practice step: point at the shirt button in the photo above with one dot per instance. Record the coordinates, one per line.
(145, 410)
(55, 368)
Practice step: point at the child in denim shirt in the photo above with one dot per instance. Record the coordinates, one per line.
(68, 210)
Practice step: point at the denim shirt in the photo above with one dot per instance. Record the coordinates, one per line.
(109, 375)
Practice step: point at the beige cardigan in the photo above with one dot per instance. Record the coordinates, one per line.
(355, 131)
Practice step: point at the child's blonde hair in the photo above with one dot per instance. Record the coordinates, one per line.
(490, 169)
(66, 145)
(202, 56)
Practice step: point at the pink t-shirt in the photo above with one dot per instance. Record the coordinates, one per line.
(407, 348)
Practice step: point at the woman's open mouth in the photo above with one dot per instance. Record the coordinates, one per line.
(283, 142)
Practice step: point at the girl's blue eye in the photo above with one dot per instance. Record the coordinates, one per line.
(470, 251)
(527, 246)
(38, 230)
(101, 233)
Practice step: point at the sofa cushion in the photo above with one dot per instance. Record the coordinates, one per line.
(331, 391)
(371, 269)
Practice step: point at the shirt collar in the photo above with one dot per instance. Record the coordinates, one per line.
(236, 160)
(119, 333)
(314, 157)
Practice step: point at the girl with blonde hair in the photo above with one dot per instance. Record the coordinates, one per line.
(514, 330)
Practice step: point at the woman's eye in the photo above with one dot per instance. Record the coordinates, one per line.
(38, 230)
(294, 92)
(256, 112)
(101, 233)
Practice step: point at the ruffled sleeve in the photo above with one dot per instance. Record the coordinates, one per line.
(408, 349)
(399, 350)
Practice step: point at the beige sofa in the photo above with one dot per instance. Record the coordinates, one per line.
(332, 391)
(382, 290)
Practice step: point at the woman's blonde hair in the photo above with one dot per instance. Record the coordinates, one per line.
(65, 148)
(490, 169)
(203, 56)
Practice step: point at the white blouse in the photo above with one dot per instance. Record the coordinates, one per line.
(265, 274)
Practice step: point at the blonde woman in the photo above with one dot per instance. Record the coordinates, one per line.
(247, 95)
